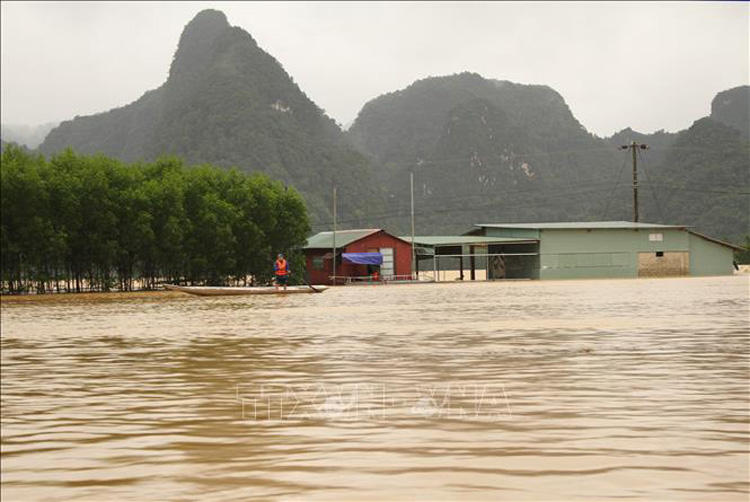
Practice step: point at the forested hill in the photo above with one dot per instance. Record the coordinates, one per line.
(699, 176)
(489, 150)
(486, 150)
(703, 181)
(228, 102)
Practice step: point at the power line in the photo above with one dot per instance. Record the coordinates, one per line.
(438, 205)
(490, 203)
(651, 187)
(697, 190)
(617, 182)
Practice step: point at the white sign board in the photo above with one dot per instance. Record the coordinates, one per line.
(656, 237)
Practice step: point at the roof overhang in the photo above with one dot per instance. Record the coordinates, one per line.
(467, 240)
(717, 241)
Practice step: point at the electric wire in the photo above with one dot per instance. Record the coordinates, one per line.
(399, 209)
(617, 182)
(651, 186)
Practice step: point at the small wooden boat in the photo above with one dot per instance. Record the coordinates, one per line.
(230, 291)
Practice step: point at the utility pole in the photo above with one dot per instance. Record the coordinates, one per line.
(413, 255)
(634, 147)
(333, 257)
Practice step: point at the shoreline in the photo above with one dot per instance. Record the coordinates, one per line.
(93, 296)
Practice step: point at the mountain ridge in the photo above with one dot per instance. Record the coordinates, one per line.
(514, 152)
(503, 150)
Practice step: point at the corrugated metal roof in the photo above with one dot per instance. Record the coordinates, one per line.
(575, 225)
(718, 241)
(324, 240)
(457, 240)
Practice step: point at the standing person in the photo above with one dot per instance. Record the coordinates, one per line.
(281, 271)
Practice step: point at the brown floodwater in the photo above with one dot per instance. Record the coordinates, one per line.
(569, 390)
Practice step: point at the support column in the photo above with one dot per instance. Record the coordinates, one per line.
(472, 263)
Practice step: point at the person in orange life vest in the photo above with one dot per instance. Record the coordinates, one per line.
(281, 271)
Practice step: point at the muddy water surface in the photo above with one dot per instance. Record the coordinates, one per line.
(486, 391)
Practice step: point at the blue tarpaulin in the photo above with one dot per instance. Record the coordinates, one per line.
(363, 258)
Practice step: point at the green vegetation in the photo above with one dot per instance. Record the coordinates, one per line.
(743, 257)
(77, 222)
(703, 181)
(481, 150)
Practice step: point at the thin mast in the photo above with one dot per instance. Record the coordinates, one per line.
(413, 255)
(333, 257)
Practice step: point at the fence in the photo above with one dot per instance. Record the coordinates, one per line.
(481, 267)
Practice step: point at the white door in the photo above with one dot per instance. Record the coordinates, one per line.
(386, 269)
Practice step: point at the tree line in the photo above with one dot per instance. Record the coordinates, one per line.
(93, 223)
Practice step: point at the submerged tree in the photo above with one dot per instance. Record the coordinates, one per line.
(91, 222)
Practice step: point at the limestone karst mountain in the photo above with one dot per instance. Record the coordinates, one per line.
(228, 102)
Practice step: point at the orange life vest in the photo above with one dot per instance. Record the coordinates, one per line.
(281, 267)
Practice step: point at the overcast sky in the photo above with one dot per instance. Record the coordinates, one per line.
(649, 66)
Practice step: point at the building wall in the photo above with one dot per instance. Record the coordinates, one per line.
(599, 253)
(580, 253)
(401, 249)
(372, 243)
(317, 276)
(709, 258)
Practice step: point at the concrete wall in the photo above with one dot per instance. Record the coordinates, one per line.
(596, 253)
(709, 258)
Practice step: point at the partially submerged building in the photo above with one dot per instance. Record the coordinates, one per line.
(579, 250)
(358, 255)
(474, 257)
(493, 251)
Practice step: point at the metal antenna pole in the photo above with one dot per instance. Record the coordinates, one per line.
(333, 254)
(635, 182)
(413, 255)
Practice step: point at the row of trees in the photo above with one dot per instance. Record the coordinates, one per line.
(75, 222)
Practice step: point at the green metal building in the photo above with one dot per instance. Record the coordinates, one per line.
(579, 250)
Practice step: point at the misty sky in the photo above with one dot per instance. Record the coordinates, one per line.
(649, 66)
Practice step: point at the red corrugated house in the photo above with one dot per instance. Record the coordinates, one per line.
(395, 252)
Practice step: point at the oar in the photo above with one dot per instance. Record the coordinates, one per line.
(310, 285)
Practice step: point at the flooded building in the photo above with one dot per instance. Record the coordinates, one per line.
(475, 257)
(578, 250)
(362, 255)
(496, 251)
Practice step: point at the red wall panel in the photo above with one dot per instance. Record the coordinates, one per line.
(401, 257)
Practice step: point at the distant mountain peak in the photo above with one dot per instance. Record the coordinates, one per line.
(206, 22)
(198, 42)
(230, 103)
(732, 108)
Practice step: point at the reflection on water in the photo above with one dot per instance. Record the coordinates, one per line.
(516, 391)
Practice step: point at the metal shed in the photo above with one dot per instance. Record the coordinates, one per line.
(574, 250)
(395, 257)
